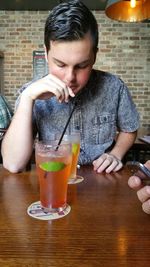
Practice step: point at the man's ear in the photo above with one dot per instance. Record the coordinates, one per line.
(45, 53)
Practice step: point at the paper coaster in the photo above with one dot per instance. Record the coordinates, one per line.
(76, 180)
(35, 210)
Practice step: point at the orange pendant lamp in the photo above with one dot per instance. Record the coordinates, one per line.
(128, 10)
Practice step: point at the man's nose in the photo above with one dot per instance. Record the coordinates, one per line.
(70, 75)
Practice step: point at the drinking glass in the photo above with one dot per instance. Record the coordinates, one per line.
(74, 139)
(53, 164)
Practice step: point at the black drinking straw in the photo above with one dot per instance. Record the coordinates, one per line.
(62, 135)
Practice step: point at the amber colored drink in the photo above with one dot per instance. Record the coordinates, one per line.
(53, 169)
(74, 139)
(75, 155)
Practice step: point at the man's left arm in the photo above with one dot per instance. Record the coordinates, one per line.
(112, 161)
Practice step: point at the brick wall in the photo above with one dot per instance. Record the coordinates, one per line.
(124, 49)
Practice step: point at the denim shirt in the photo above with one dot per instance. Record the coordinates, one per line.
(104, 107)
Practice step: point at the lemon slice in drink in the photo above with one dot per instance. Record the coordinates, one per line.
(52, 166)
(74, 148)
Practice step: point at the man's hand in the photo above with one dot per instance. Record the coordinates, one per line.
(107, 162)
(47, 87)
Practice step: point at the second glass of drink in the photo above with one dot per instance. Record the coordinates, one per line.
(74, 139)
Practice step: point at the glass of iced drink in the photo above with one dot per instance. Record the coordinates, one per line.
(53, 164)
(74, 139)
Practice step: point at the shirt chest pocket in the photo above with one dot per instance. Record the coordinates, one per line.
(103, 128)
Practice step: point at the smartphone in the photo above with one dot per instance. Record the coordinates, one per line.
(142, 172)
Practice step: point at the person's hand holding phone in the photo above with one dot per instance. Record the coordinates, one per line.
(140, 182)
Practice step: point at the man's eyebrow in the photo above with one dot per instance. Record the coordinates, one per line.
(58, 60)
(83, 62)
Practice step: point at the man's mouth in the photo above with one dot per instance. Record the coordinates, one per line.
(74, 89)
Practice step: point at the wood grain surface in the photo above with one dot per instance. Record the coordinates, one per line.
(105, 228)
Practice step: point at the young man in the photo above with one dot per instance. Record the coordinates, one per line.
(143, 191)
(104, 105)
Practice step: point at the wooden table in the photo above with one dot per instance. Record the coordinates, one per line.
(105, 228)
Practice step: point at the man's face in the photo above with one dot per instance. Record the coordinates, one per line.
(72, 61)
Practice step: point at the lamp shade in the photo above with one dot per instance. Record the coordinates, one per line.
(122, 10)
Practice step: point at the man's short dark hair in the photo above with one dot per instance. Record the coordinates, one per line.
(70, 21)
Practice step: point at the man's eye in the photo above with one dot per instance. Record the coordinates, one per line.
(60, 65)
(82, 66)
